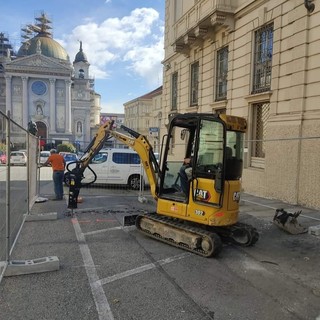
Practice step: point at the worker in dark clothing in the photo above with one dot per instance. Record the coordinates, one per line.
(185, 174)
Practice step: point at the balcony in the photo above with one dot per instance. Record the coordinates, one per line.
(201, 21)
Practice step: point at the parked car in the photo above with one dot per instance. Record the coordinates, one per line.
(114, 166)
(44, 155)
(3, 158)
(69, 157)
(18, 157)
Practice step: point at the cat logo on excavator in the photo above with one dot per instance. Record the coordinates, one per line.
(202, 195)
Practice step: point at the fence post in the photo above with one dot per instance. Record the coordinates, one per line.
(8, 151)
(141, 197)
(28, 172)
(38, 167)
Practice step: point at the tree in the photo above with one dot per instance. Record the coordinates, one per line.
(66, 147)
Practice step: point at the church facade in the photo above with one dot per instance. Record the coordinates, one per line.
(40, 84)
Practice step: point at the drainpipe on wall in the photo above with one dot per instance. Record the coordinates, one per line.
(306, 43)
(309, 5)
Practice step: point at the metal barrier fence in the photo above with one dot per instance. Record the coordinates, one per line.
(287, 168)
(18, 181)
(79, 147)
(284, 169)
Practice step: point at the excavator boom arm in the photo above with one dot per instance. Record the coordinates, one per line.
(141, 145)
(137, 142)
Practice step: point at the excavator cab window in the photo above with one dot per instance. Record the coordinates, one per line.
(210, 155)
(210, 149)
(177, 144)
(220, 152)
(234, 155)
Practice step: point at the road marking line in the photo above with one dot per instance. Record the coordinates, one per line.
(102, 230)
(266, 206)
(88, 209)
(100, 299)
(106, 220)
(146, 267)
(128, 228)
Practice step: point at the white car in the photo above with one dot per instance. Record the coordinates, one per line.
(18, 157)
(114, 166)
(44, 155)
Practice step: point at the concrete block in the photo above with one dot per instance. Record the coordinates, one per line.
(314, 230)
(19, 267)
(42, 216)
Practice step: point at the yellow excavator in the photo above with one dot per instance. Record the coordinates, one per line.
(203, 213)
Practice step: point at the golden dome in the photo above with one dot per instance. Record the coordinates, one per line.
(48, 46)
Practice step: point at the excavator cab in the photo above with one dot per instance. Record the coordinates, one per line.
(215, 145)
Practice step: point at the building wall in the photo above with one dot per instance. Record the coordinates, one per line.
(144, 115)
(138, 115)
(289, 170)
(156, 123)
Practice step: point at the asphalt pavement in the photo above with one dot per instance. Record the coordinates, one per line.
(107, 271)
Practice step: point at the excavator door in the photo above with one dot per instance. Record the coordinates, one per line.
(201, 138)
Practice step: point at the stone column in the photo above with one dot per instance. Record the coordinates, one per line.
(68, 106)
(25, 104)
(8, 94)
(52, 106)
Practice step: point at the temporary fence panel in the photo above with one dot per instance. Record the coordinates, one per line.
(287, 170)
(3, 193)
(18, 172)
(18, 180)
(33, 172)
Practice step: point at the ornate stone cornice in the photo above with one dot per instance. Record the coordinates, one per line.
(37, 64)
(189, 39)
(223, 19)
(203, 30)
(200, 32)
(180, 48)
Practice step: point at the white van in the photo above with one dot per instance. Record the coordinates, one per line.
(115, 166)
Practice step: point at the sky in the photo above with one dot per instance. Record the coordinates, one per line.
(122, 39)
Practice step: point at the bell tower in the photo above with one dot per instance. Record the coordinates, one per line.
(81, 65)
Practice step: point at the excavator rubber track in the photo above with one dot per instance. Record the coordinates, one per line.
(204, 242)
(176, 233)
